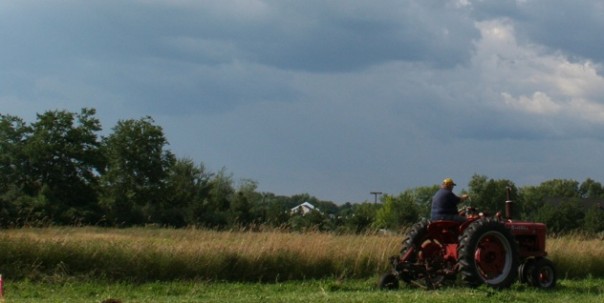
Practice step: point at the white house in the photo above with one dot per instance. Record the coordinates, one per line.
(303, 209)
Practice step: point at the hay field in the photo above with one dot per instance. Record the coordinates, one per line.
(156, 254)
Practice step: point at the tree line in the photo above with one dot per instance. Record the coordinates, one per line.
(59, 170)
(565, 205)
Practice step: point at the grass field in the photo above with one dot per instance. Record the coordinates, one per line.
(164, 255)
(585, 290)
(189, 265)
(143, 255)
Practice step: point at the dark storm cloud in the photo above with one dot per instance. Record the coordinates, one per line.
(334, 98)
(304, 35)
(350, 36)
(199, 56)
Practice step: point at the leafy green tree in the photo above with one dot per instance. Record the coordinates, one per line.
(19, 209)
(240, 213)
(363, 216)
(14, 134)
(221, 191)
(313, 220)
(594, 219)
(422, 196)
(215, 210)
(533, 198)
(64, 163)
(327, 207)
(564, 217)
(563, 188)
(186, 187)
(346, 209)
(260, 209)
(242, 206)
(274, 209)
(490, 195)
(13, 165)
(137, 168)
(397, 211)
(591, 189)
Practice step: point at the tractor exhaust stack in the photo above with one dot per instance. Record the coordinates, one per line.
(509, 204)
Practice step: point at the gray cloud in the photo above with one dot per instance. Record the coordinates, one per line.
(331, 98)
(566, 26)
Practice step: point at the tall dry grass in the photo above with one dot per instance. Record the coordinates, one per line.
(140, 254)
(577, 255)
(164, 254)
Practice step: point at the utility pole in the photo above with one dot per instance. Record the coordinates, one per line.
(375, 195)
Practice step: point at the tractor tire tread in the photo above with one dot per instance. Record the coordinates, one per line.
(468, 243)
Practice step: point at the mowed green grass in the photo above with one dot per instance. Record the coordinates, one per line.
(327, 290)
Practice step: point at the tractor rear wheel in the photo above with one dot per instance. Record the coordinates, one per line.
(426, 254)
(416, 235)
(414, 239)
(488, 254)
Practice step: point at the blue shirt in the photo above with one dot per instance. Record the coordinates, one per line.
(444, 203)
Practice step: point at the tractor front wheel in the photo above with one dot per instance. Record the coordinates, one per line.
(488, 254)
(542, 274)
(388, 281)
(524, 270)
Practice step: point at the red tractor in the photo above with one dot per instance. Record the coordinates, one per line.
(484, 249)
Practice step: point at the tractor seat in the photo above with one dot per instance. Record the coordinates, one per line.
(448, 230)
(443, 224)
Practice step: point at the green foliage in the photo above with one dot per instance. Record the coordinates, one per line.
(240, 210)
(275, 209)
(137, 168)
(360, 216)
(490, 195)
(562, 188)
(591, 189)
(422, 197)
(56, 157)
(558, 203)
(215, 208)
(18, 209)
(594, 219)
(186, 185)
(57, 170)
(397, 212)
(534, 197)
(566, 216)
(14, 134)
(314, 220)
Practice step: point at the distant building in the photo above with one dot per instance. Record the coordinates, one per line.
(303, 209)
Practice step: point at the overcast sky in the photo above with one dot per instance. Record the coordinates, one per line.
(331, 98)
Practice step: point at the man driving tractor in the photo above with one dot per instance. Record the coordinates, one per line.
(478, 248)
(444, 202)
